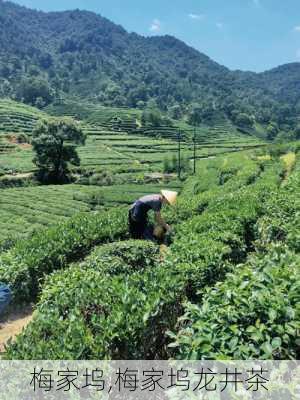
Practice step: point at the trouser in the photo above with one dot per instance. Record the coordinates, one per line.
(140, 229)
(5, 297)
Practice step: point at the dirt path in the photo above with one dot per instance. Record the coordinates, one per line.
(13, 325)
(18, 176)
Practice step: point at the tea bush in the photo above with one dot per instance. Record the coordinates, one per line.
(120, 302)
(210, 244)
(253, 314)
(83, 314)
(123, 257)
(26, 264)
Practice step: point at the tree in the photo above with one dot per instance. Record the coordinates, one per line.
(284, 112)
(175, 111)
(54, 142)
(140, 105)
(39, 103)
(285, 137)
(297, 132)
(32, 89)
(6, 89)
(244, 121)
(272, 131)
(167, 168)
(195, 116)
(152, 117)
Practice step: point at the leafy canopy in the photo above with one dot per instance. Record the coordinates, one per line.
(54, 142)
(47, 57)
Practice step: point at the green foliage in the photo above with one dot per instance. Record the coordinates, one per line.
(195, 115)
(94, 199)
(152, 117)
(254, 312)
(123, 257)
(54, 142)
(28, 262)
(35, 92)
(206, 245)
(171, 166)
(244, 120)
(175, 111)
(277, 150)
(272, 131)
(99, 313)
(167, 167)
(78, 54)
(297, 132)
(226, 174)
(232, 243)
(252, 315)
(285, 137)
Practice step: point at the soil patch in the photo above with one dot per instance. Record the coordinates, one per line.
(13, 324)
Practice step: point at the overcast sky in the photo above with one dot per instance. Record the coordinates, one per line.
(240, 34)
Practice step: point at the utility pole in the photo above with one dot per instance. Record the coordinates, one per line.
(194, 140)
(179, 153)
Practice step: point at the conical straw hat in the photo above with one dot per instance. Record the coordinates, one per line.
(170, 196)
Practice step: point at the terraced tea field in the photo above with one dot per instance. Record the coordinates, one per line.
(17, 117)
(115, 138)
(24, 210)
(111, 150)
(108, 118)
(152, 150)
(226, 288)
(123, 148)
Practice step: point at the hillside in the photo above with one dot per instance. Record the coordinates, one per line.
(227, 288)
(118, 162)
(92, 118)
(48, 56)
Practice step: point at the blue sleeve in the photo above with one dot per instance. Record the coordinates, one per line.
(5, 297)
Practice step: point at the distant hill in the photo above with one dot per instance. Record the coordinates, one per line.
(78, 54)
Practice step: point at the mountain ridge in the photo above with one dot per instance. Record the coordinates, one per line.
(47, 56)
(71, 12)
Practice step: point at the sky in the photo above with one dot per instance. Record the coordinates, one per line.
(253, 35)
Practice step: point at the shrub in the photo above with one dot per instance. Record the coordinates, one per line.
(25, 266)
(123, 257)
(120, 301)
(104, 178)
(94, 199)
(85, 315)
(23, 138)
(226, 174)
(253, 314)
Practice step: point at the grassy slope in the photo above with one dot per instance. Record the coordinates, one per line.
(103, 135)
(119, 149)
(25, 210)
(234, 207)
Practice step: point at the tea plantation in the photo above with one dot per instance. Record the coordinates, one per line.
(114, 162)
(25, 210)
(123, 145)
(94, 117)
(228, 286)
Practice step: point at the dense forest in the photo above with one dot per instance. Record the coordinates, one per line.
(47, 57)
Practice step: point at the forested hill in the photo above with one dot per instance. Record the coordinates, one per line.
(45, 56)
